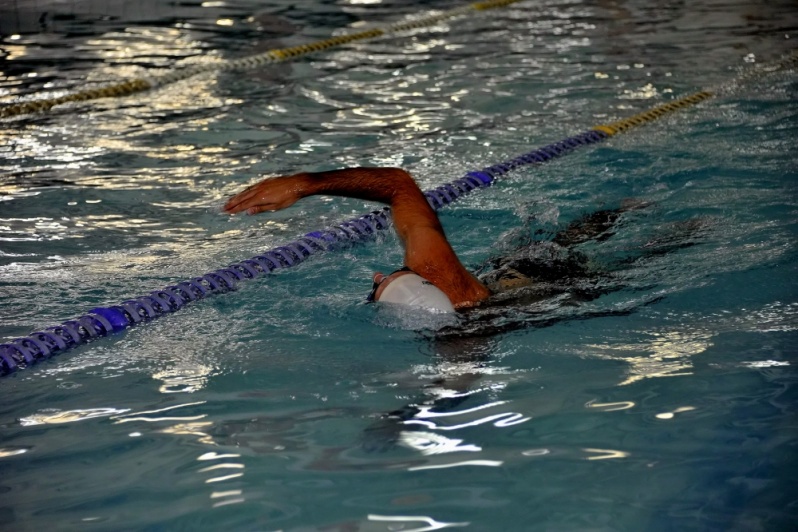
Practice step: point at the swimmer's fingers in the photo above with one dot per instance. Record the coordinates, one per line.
(270, 194)
(260, 204)
(238, 202)
(260, 208)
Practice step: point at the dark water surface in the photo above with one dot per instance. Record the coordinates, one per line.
(667, 404)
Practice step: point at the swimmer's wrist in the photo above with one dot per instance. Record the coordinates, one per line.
(305, 185)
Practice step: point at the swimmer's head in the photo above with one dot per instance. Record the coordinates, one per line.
(405, 287)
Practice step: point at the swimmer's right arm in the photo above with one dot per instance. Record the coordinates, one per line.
(427, 251)
(415, 221)
(385, 185)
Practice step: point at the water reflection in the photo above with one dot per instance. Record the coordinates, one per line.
(6, 452)
(611, 407)
(669, 352)
(605, 454)
(183, 379)
(429, 443)
(670, 415)
(462, 371)
(217, 467)
(449, 465)
(56, 417)
(431, 524)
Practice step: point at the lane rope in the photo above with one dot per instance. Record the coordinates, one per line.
(102, 321)
(280, 55)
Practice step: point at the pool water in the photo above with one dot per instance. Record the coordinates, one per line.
(669, 404)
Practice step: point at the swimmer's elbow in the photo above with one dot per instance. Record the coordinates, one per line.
(401, 176)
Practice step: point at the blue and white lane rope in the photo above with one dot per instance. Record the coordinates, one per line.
(102, 321)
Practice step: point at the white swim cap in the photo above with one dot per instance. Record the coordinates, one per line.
(412, 289)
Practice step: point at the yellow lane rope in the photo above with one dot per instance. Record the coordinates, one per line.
(133, 86)
(613, 128)
(652, 114)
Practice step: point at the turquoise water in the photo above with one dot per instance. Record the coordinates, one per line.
(667, 405)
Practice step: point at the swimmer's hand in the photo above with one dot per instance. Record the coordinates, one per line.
(271, 194)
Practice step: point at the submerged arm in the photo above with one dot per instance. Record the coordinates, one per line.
(427, 251)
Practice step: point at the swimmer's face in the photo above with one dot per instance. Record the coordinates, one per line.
(381, 282)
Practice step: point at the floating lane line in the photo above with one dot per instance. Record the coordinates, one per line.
(280, 55)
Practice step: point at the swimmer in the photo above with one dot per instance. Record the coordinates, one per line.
(432, 277)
